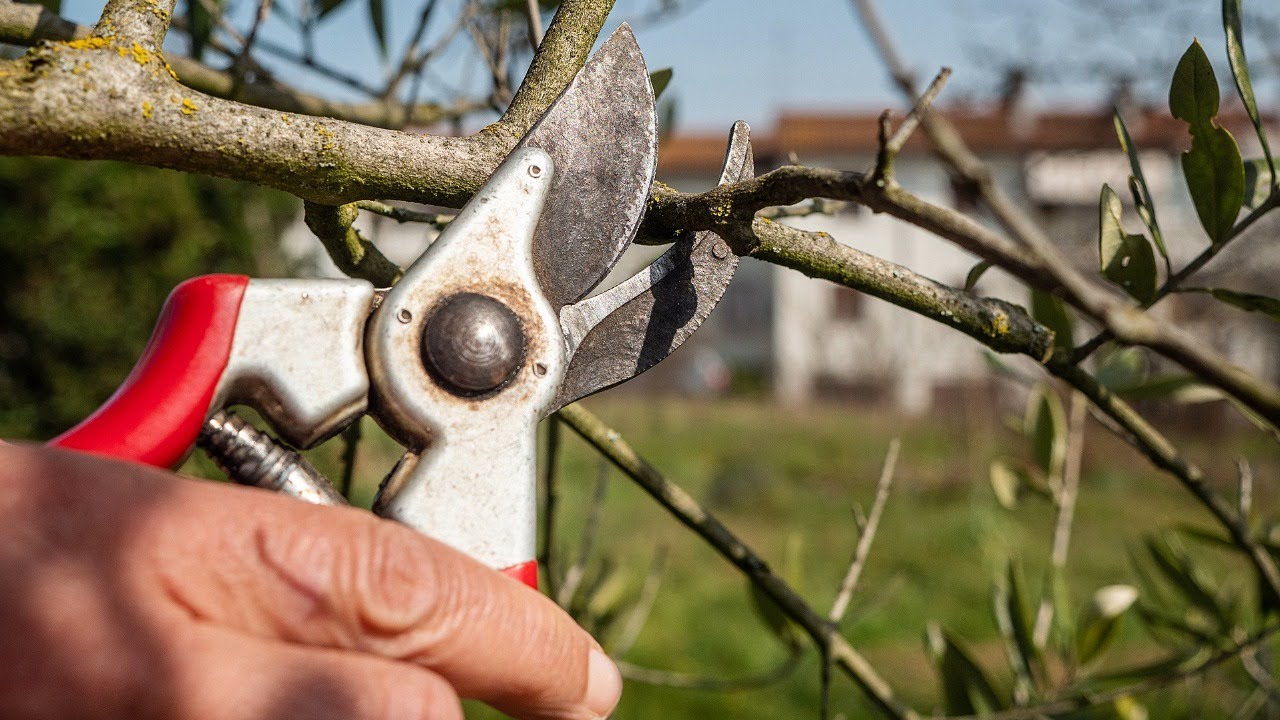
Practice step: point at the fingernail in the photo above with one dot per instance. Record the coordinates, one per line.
(604, 684)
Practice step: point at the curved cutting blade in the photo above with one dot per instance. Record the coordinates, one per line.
(620, 333)
(602, 134)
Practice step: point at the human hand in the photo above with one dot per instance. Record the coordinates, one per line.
(129, 592)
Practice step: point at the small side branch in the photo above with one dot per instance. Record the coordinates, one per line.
(349, 250)
(863, 549)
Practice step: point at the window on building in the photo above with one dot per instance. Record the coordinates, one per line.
(847, 303)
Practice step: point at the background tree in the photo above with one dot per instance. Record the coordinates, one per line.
(112, 93)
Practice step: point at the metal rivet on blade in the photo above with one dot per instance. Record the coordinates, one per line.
(473, 344)
(719, 251)
(404, 315)
(535, 171)
(540, 368)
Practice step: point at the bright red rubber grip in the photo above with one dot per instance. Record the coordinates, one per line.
(155, 416)
(526, 572)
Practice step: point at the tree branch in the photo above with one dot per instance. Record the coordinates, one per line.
(349, 250)
(97, 98)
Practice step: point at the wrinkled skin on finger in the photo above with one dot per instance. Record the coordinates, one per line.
(131, 592)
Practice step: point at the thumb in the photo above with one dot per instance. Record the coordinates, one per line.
(338, 577)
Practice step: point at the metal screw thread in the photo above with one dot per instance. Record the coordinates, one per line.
(251, 457)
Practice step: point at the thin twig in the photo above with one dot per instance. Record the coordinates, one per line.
(1066, 502)
(535, 24)
(404, 215)
(1245, 488)
(578, 570)
(350, 448)
(687, 681)
(241, 60)
(863, 549)
(899, 139)
(639, 615)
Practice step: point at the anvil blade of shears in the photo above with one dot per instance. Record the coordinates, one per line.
(602, 133)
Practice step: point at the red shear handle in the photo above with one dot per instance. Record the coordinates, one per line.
(526, 572)
(157, 413)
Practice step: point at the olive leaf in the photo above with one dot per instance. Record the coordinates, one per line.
(1240, 72)
(1258, 181)
(1046, 427)
(1142, 201)
(659, 79)
(975, 274)
(1245, 301)
(1213, 168)
(1050, 312)
(966, 689)
(201, 18)
(1126, 259)
(378, 18)
(1101, 618)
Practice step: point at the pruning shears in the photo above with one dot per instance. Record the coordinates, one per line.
(487, 333)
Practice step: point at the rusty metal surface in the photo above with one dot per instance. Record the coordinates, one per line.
(619, 334)
(251, 457)
(468, 478)
(602, 134)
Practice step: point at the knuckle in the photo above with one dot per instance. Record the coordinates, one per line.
(398, 586)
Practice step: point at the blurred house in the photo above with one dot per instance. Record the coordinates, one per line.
(800, 339)
(817, 340)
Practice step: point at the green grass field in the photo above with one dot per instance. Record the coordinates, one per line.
(789, 478)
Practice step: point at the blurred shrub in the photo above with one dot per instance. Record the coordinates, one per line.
(88, 252)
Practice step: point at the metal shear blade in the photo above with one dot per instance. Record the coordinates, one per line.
(628, 329)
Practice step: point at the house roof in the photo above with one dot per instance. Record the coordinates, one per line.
(987, 130)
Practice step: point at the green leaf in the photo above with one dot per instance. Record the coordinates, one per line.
(975, 274)
(1126, 259)
(1050, 312)
(1063, 628)
(1258, 182)
(1193, 96)
(378, 17)
(966, 688)
(1212, 167)
(1122, 368)
(1215, 176)
(1142, 201)
(200, 24)
(1268, 306)
(1016, 625)
(1240, 71)
(1181, 572)
(324, 7)
(1008, 479)
(1126, 707)
(1046, 427)
(1100, 620)
(1161, 386)
(659, 79)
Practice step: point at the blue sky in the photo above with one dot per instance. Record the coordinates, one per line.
(749, 59)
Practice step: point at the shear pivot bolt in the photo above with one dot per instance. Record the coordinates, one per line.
(473, 344)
